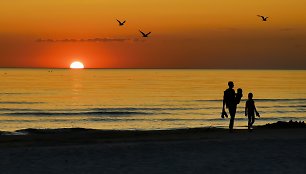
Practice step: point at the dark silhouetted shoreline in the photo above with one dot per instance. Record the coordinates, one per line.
(197, 150)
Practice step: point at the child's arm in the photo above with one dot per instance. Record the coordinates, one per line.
(257, 114)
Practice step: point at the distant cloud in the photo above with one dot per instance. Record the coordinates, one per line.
(90, 40)
(229, 28)
(84, 40)
(287, 29)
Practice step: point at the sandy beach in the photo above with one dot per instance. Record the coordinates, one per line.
(174, 151)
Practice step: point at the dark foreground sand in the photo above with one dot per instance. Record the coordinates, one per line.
(181, 151)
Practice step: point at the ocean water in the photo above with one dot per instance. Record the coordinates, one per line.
(125, 99)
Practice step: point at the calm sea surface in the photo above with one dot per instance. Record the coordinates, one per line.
(143, 99)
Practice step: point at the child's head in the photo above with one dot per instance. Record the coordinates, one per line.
(250, 95)
(239, 91)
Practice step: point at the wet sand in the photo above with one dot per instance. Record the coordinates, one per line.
(264, 150)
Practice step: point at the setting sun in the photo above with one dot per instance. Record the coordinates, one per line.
(76, 65)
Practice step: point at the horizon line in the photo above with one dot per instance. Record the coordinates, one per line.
(159, 68)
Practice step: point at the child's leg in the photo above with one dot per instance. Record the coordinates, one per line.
(249, 122)
(253, 119)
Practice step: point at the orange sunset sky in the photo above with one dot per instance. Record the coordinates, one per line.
(185, 34)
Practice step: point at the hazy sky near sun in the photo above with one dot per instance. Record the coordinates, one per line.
(185, 34)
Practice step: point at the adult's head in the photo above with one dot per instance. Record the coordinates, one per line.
(230, 84)
(250, 95)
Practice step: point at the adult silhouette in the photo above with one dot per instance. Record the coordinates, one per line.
(230, 100)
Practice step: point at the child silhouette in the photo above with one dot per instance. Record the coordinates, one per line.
(250, 111)
(239, 95)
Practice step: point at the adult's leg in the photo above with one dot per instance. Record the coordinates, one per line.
(232, 111)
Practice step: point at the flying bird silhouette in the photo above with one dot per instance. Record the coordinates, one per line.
(144, 34)
(263, 17)
(121, 23)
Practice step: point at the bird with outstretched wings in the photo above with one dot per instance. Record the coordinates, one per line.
(144, 34)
